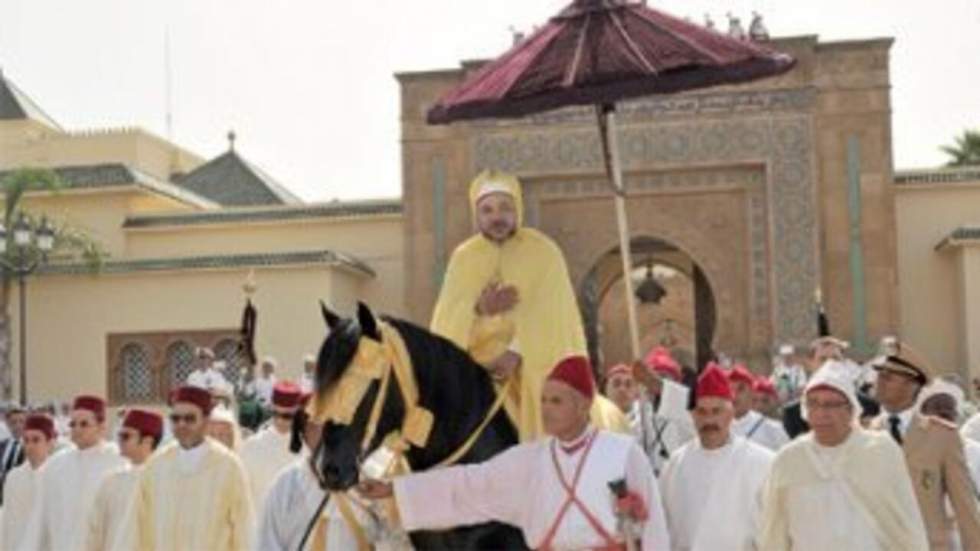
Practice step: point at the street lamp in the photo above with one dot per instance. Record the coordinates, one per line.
(22, 265)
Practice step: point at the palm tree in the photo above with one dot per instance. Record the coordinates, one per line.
(966, 152)
(68, 241)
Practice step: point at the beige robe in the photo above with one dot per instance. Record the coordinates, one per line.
(69, 484)
(111, 509)
(862, 500)
(264, 455)
(21, 492)
(197, 499)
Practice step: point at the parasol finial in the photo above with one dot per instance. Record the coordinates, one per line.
(231, 140)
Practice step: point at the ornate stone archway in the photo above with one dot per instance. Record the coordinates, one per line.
(606, 271)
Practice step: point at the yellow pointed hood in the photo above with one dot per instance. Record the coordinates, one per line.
(493, 181)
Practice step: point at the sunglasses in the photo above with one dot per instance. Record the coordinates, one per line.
(83, 424)
(125, 436)
(189, 418)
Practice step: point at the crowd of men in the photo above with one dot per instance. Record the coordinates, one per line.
(820, 453)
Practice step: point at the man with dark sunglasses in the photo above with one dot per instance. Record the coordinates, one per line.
(267, 452)
(192, 493)
(138, 436)
(73, 476)
(23, 484)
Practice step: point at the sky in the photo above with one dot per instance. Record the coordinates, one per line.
(308, 85)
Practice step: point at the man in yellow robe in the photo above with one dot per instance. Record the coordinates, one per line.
(193, 493)
(138, 436)
(508, 300)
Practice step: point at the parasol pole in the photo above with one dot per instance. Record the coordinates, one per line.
(614, 169)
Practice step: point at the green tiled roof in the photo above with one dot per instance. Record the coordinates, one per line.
(268, 214)
(960, 234)
(230, 180)
(16, 105)
(214, 262)
(113, 175)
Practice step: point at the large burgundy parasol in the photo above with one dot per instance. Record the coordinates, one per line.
(598, 52)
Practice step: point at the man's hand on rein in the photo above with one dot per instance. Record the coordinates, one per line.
(505, 366)
(375, 489)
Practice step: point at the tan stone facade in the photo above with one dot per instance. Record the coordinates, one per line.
(750, 183)
(938, 213)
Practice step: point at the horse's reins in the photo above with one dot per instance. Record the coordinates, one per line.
(372, 361)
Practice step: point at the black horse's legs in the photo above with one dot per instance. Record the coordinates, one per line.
(493, 536)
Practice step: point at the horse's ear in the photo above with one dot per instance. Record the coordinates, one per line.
(369, 325)
(329, 317)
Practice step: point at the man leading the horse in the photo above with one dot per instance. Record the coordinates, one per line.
(508, 300)
(557, 490)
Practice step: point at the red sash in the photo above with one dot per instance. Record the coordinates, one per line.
(572, 499)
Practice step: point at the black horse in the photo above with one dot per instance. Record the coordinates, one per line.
(451, 385)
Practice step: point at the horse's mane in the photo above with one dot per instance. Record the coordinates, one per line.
(457, 390)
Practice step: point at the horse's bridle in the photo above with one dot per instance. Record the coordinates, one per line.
(377, 361)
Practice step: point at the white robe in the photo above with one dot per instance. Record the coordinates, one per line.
(264, 454)
(971, 429)
(111, 509)
(70, 481)
(713, 497)
(663, 435)
(192, 499)
(755, 427)
(263, 387)
(306, 383)
(521, 487)
(209, 379)
(292, 501)
(21, 496)
(854, 497)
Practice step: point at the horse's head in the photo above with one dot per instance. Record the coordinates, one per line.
(346, 391)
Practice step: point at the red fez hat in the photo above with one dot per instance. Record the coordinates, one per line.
(619, 369)
(286, 395)
(713, 383)
(576, 372)
(146, 422)
(763, 385)
(41, 423)
(740, 373)
(661, 362)
(193, 395)
(90, 403)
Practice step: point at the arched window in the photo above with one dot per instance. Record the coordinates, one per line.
(227, 350)
(137, 374)
(180, 362)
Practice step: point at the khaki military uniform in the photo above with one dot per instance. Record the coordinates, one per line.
(937, 466)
